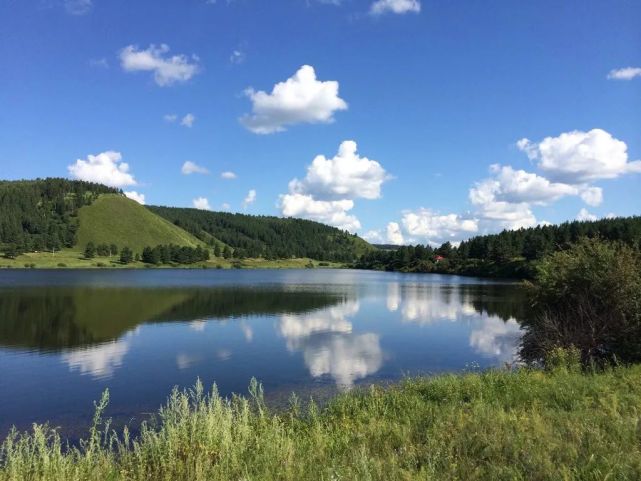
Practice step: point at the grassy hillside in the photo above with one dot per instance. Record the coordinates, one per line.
(115, 219)
(497, 425)
(268, 236)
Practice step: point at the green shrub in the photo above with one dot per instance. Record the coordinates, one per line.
(587, 297)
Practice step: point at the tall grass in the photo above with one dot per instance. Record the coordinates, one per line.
(525, 425)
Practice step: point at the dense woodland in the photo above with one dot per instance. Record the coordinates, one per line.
(268, 237)
(508, 254)
(42, 214)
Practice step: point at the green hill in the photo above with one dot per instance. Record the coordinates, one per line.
(113, 218)
(268, 236)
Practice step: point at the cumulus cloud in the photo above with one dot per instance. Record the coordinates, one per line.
(201, 203)
(250, 198)
(436, 228)
(167, 69)
(373, 236)
(327, 192)
(510, 185)
(105, 168)
(592, 195)
(584, 214)
(394, 234)
(78, 7)
(580, 157)
(395, 6)
(190, 167)
(332, 212)
(228, 175)
(627, 73)
(188, 120)
(137, 196)
(346, 175)
(300, 99)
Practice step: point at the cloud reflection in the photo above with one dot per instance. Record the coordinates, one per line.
(497, 338)
(100, 362)
(424, 303)
(330, 347)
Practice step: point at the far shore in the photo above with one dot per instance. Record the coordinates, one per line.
(73, 259)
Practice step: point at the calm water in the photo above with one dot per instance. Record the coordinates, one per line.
(65, 336)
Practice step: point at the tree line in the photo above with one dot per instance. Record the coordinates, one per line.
(507, 254)
(266, 236)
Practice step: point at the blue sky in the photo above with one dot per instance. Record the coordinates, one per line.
(419, 109)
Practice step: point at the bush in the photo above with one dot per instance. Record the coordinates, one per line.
(587, 297)
(62, 264)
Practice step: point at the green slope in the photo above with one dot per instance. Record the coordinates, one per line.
(115, 219)
(268, 236)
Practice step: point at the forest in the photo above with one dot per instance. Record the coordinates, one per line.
(266, 236)
(43, 213)
(507, 254)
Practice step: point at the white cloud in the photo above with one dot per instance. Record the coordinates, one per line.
(228, 175)
(237, 57)
(346, 175)
(585, 215)
(437, 228)
(516, 186)
(190, 167)
(137, 196)
(627, 73)
(201, 203)
(105, 168)
(300, 99)
(578, 157)
(250, 198)
(167, 70)
(171, 118)
(225, 206)
(332, 212)
(188, 120)
(395, 6)
(394, 235)
(100, 361)
(592, 195)
(78, 7)
(373, 236)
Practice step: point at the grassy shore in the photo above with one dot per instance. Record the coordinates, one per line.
(73, 259)
(496, 425)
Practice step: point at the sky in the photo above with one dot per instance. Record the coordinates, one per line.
(405, 121)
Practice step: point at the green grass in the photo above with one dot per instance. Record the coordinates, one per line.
(121, 221)
(74, 259)
(497, 425)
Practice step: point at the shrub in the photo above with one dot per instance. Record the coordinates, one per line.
(587, 297)
(62, 264)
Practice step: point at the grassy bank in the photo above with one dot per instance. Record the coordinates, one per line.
(526, 425)
(73, 259)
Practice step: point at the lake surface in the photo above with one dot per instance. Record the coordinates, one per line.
(66, 335)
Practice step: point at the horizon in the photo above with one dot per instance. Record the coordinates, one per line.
(493, 116)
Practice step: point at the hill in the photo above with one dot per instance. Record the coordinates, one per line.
(115, 219)
(267, 236)
(43, 213)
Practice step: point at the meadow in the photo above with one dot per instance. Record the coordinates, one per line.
(562, 423)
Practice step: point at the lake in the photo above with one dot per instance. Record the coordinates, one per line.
(66, 335)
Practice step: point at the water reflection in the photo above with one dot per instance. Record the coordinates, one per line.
(100, 361)
(299, 330)
(330, 347)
